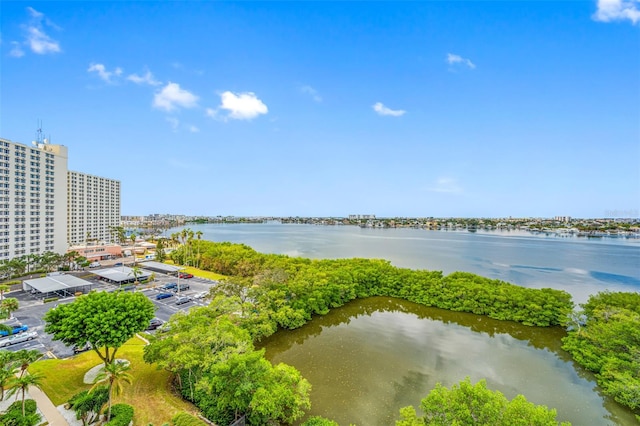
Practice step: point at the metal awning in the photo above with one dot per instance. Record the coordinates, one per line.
(120, 274)
(161, 267)
(60, 285)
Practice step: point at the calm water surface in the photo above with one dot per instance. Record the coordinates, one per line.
(371, 357)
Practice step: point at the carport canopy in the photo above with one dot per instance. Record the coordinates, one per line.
(161, 267)
(121, 274)
(59, 285)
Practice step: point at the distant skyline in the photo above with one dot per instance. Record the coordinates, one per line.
(398, 109)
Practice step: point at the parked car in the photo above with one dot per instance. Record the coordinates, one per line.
(184, 275)
(160, 296)
(182, 287)
(201, 295)
(169, 286)
(18, 338)
(95, 265)
(78, 349)
(154, 323)
(181, 300)
(129, 287)
(118, 264)
(17, 329)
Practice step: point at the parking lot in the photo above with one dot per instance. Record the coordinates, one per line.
(31, 311)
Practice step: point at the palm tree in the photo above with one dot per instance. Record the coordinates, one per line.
(7, 371)
(136, 271)
(3, 289)
(133, 237)
(199, 236)
(21, 384)
(25, 357)
(114, 375)
(10, 304)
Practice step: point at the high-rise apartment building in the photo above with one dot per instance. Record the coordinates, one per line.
(93, 208)
(45, 207)
(33, 198)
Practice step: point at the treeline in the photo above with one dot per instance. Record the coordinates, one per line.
(290, 290)
(605, 338)
(218, 368)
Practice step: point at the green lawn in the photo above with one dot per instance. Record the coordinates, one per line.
(150, 393)
(199, 272)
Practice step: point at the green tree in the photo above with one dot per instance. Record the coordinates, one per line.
(133, 238)
(4, 289)
(160, 254)
(608, 343)
(25, 357)
(88, 405)
(468, 404)
(136, 271)
(21, 384)
(104, 320)
(9, 305)
(7, 371)
(114, 375)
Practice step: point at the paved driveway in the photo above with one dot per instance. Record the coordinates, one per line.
(31, 311)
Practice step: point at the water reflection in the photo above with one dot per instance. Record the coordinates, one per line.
(373, 356)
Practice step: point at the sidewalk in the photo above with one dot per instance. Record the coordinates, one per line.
(46, 407)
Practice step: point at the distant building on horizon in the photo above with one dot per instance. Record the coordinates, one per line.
(362, 216)
(565, 219)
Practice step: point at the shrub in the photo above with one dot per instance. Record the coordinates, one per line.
(319, 421)
(13, 416)
(186, 419)
(121, 415)
(51, 299)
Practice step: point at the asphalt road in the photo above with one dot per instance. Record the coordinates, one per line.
(31, 310)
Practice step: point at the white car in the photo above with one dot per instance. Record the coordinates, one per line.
(18, 338)
(201, 295)
(95, 265)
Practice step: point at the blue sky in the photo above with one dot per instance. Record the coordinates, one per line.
(434, 108)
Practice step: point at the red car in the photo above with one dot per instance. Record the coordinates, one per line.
(184, 275)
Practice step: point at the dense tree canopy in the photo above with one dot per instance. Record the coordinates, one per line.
(104, 320)
(220, 371)
(468, 404)
(290, 290)
(608, 343)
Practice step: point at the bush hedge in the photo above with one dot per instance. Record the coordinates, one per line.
(121, 415)
(51, 299)
(186, 419)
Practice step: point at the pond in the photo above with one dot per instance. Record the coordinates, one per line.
(371, 357)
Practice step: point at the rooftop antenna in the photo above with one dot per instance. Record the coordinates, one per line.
(39, 137)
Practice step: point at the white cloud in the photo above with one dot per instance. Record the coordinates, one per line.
(16, 51)
(446, 185)
(174, 122)
(241, 106)
(172, 96)
(617, 10)
(211, 112)
(457, 59)
(193, 129)
(308, 90)
(38, 41)
(383, 110)
(102, 72)
(147, 78)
